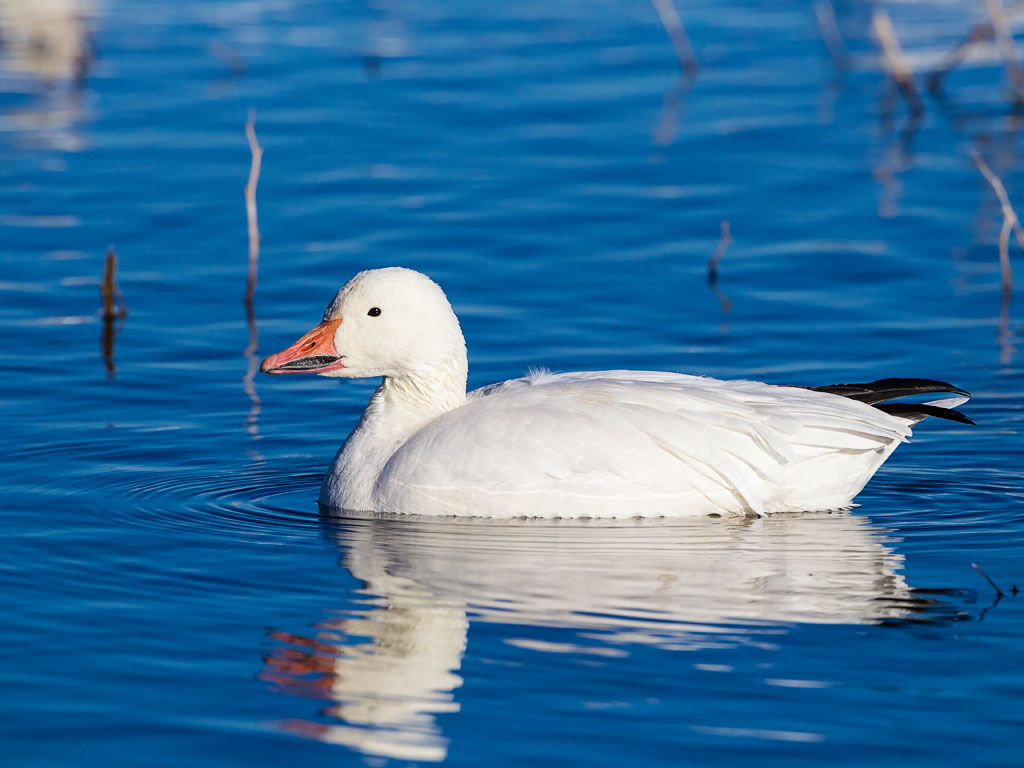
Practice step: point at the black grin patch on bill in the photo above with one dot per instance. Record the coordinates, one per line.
(308, 363)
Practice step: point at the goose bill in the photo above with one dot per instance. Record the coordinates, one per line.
(313, 353)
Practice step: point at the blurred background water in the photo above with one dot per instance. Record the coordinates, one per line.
(170, 592)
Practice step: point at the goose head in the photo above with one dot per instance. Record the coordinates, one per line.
(393, 322)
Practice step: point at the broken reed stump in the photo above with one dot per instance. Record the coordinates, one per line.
(720, 249)
(113, 300)
(1010, 222)
(250, 210)
(677, 35)
(895, 62)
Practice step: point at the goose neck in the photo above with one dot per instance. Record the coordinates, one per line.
(423, 395)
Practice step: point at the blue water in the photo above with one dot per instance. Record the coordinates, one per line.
(171, 594)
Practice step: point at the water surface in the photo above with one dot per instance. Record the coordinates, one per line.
(172, 592)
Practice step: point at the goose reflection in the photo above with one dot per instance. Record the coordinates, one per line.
(44, 38)
(45, 53)
(391, 666)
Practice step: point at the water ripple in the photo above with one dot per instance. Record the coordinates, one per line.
(253, 501)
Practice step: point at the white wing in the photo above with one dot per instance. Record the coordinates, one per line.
(622, 443)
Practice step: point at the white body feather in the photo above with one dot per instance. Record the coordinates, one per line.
(619, 444)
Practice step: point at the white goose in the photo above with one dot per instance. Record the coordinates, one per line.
(593, 444)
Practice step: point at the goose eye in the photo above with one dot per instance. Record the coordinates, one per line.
(374, 312)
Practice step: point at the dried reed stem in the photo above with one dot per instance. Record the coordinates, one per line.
(250, 209)
(895, 62)
(1010, 222)
(677, 34)
(829, 29)
(1004, 40)
(720, 249)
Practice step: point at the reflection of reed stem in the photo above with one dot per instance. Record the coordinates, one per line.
(895, 62)
(250, 208)
(1010, 224)
(1010, 221)
(979, 33)
(1004, 40)
(677, 34)
(723, 245)
(829, 29)
(249, 380)
(107, 344)
(1005, 335)
(671, 107)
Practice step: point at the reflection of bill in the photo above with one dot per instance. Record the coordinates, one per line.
(391, 670)
(681, 585)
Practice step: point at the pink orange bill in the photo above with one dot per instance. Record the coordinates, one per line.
(313, 353)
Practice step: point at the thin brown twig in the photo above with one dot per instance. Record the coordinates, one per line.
(829, 29)
(720, 249)
(1004, 41)
(677, 35)
(250, 208)
(984, 575)
(895, 62)
(1010, 222)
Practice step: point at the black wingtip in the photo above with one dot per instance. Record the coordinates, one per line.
(915, 410)
(890, 389)
(879, 393)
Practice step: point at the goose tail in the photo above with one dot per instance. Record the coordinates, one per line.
(880, 393)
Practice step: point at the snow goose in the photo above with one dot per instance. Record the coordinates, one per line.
(589, 444)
